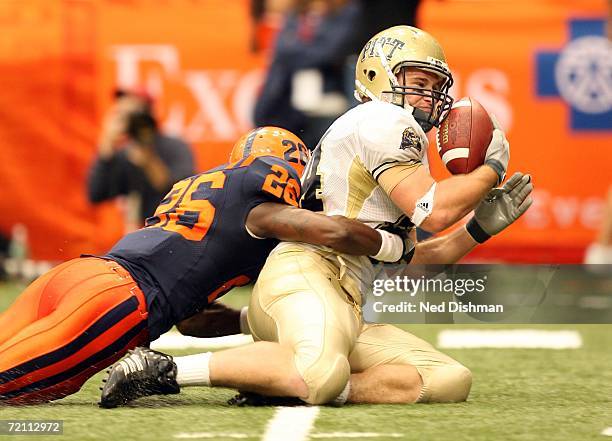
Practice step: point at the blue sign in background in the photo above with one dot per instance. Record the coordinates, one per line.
(600, 68)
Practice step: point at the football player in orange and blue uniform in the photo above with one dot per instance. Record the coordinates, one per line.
(212, 232)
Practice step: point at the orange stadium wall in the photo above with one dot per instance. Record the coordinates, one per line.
(60, 59)
(506, 54)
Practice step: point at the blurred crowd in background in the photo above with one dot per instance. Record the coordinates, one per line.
(309, 48)
(311, 74)
(312, 45)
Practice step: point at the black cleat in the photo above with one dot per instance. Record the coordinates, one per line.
(144, 372)
(252, 399)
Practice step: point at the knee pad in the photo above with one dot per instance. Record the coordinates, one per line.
(449, 383)
(326, 377)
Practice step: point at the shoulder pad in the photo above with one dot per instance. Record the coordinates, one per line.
(274, 180)
(389, 135)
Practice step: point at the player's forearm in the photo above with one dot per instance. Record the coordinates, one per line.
(293, 224)
(353, 237)
(337, 232)
(445, 249)
(457, 196)
(214, 321)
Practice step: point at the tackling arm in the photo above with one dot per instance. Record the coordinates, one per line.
(285, 222)
(216, 320)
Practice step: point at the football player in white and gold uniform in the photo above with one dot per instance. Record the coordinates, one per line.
(371, 166)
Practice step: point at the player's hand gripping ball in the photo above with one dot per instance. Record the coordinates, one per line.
(464, 136)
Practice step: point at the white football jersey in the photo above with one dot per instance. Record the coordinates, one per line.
(341, 178)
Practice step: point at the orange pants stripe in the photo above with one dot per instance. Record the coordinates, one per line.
(69, 324)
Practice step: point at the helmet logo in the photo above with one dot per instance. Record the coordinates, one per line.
(370, 48)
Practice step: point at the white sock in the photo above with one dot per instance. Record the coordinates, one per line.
(193, 370)
(340, 400)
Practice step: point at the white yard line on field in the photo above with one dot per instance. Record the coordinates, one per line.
(238, 435)
(359, 435)
(213, 435)
(607, 431)
(174, 340)
(509, 338)
(291, 424)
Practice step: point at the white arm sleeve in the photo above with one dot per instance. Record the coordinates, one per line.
(424, 206)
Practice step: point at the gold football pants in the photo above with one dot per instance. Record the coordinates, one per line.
(301, 301)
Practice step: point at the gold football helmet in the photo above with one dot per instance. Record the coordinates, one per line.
(389, 51)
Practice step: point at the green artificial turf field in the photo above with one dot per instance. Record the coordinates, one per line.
(518, 394)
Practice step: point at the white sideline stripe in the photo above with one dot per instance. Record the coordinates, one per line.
(213, 435)
(291, 424)
(455, 154)
(514, 338)
(607, 431)
(174, 340)
(356, 435)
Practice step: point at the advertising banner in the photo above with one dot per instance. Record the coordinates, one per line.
(542, 67)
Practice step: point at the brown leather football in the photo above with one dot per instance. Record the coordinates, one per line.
(464, 135)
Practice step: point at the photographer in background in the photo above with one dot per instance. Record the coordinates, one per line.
(135, 160)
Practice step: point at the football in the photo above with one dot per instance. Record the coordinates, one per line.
(464, 135)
